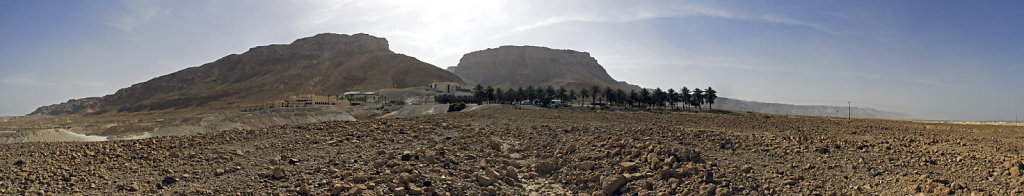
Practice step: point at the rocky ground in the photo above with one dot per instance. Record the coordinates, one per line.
(545, 152)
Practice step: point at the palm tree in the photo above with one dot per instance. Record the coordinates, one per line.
(685, 96)
(489, 93)
(645, 96)
(633, 97)
(530, 93)
(595, 90)
(478, 92)
(710, 95)
(584, 94)
(550, 92)
(572, 95)
(659, 97)
(499, 95)
(698, 98)
(621, 97)
(562, 94)
(673, 97)
(520, 94)
(609, 94)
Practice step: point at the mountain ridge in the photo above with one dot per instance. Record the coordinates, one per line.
(322, 64)
(331, 63)
(521, 66)
(805, 110)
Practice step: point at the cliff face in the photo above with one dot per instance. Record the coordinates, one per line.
(73, 106)
(322, 64)
(521, 66)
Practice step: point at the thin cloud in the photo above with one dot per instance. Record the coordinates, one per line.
(135, 13)
(24, 81)
(794, 22)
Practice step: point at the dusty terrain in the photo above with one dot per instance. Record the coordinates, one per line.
(520, 152)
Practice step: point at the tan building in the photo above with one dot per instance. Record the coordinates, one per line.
(309, 100)
(361, 97)
(448, 87)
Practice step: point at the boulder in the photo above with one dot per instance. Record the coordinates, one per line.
(612, 183)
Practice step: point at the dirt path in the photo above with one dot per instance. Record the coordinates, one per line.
(505, 151)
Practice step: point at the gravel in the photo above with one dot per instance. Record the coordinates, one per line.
(547, 152)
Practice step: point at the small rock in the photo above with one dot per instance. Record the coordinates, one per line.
(484, 180)
(131, 187)
(723, 191)
(491, 173)
(357, 190)
(277, 173)
(406, 156)
(169, 180)
(612, 183)
(746, 169)
(673, 181)
(494, 145)
(399, 191)
(792, 180)
(19, 162)
(218, 172)
(304, 190)
(403, 178)
(913, 188)
(360, 178)
(627, 166)
(822, 150)
(588, 165)
(293, 161)
(545, 167)
(413, 190)
(337, 189)
(709, 177)
(665, 174)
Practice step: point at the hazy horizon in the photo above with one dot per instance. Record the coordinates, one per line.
(940, 60)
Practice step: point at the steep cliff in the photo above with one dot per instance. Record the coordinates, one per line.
(521, 66)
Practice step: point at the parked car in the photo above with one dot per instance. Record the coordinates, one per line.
(558, 103)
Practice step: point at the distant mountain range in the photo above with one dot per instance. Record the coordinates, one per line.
(806, 110)
(332, 63)
(522, 66)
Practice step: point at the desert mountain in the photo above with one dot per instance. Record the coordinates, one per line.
(323, 64)
(522, 66)
(805, 110)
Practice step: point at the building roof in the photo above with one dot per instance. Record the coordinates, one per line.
(359, 93)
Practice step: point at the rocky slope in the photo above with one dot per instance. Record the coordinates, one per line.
(522, 66)
(72, 106)
(323, 64)
(805, 110)
(549, 152)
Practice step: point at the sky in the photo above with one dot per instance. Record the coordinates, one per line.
(939, 60)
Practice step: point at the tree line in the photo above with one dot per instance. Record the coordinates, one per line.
(595, 94)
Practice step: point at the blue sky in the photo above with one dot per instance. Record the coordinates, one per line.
(932, 59)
